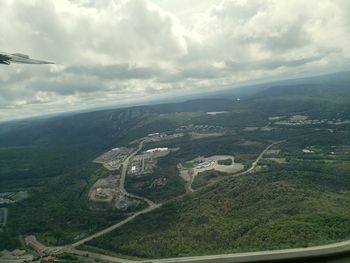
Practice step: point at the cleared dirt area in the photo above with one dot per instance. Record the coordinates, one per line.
(190, 169)
(186, 175)
(216, 112)
(202, 164)
(104, 190)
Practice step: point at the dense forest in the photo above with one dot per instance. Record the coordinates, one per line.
(300, 201)
(297, 204)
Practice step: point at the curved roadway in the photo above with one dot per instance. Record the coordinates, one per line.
(123, 176)
(152, 206)
(272, 255)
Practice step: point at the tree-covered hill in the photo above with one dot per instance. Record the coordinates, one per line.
(51, 158)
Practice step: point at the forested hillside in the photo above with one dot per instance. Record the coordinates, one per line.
(295, 199)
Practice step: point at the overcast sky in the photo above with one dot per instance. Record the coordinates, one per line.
(118, 51)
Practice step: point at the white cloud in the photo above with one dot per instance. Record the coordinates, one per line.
(119, 50)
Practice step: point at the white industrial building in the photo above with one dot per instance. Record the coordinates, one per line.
(155, 150)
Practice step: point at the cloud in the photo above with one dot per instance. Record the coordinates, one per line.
(117, 71)
(118, 51)
(270, 64)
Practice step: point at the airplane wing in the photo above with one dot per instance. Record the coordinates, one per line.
(7, 59)
(4, 59)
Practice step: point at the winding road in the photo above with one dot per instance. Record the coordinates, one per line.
(151, 205)
(113, 227)
(255, 163)
(188, 185)
(266, 256)
(123, 176)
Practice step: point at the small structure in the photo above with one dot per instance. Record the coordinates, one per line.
(155, 150)
(133, 169)
(153, 134)
(307, 151)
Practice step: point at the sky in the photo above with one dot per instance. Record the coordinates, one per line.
(114, 52)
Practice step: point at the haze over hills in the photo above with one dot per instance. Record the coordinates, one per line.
(297, 194)
(230, 92)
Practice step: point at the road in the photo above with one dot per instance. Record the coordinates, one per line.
(188, 185)
(250, 169)
(123, 176)
(267, 256)
(115, 226)
(151, 205)
(255, 163)
(125, 168)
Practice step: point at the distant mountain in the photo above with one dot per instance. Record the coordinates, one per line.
(338, 79)
(105, 125)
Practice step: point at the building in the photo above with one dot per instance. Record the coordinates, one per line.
(133, 169)
(307, 151)
(153, 134)
(155, 150)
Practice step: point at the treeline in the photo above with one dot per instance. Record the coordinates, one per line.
(60, 211)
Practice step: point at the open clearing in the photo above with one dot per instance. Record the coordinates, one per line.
(191, 169)
(203, 164)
